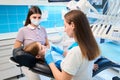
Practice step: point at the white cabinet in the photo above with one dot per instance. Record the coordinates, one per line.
(7, 69)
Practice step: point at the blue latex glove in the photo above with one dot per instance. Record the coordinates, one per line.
(57, 50)
(48, 57)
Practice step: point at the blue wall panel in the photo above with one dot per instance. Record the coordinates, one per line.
(12, 17)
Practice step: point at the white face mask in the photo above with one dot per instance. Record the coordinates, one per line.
(35, 22)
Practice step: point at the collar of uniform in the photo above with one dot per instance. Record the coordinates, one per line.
(29, 26)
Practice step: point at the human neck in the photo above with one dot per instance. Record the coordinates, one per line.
(34, 25)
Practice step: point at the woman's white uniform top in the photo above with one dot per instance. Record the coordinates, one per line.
(76, 65)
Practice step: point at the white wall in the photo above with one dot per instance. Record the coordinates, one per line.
(30, 2)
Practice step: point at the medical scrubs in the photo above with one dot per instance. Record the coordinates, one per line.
(74, 64)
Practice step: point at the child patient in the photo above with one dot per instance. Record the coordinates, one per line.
(35, 49)
(38, 51)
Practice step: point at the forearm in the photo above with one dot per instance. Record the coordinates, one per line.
(17, 44)
(65, 53)
(57, 74)
(47, 44)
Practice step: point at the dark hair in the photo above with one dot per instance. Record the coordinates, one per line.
(32, 48)
(83, 34)
(32, 10)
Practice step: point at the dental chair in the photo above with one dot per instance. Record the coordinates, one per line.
(103, 64)
(40, 67)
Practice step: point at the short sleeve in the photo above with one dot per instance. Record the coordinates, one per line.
(20, 35)
(72, 61)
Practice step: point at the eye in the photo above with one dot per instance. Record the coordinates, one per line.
(41, 48)
(34, 17)
(37, 17)
(64, 25)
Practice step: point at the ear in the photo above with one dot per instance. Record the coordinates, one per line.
(38, 57)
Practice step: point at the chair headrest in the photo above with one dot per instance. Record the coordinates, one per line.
(23, 58)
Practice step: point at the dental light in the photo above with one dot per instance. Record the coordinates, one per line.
(82, 5)
(85, 6)
(71, 5)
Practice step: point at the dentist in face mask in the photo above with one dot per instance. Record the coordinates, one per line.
(31, 32)
(35, 20)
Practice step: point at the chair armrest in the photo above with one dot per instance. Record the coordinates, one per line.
(103, 64)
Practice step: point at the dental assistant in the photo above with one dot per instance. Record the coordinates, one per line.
(31, 32)
(79, 60)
